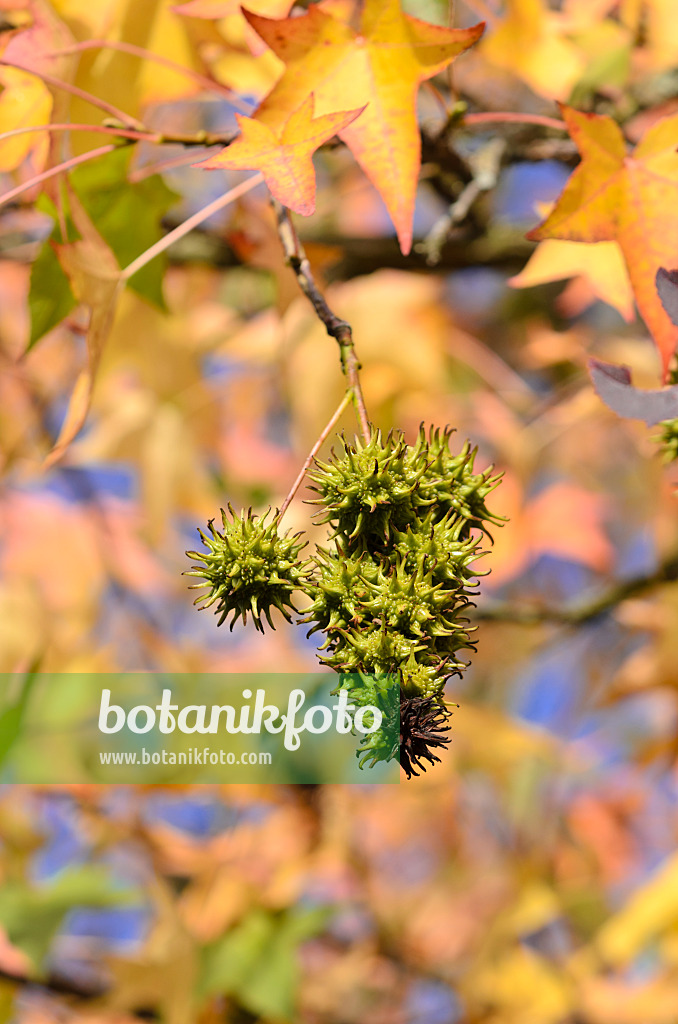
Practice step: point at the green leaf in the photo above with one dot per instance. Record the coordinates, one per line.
(32, 914)
(12, 717)
(128, 216)
(50, 298)
(256, 962)
(435, 11)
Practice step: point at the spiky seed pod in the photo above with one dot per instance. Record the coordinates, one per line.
(375, 651)
(441, 547)
(370, 488)
(449, 483)
(668, 440)
(424, 680)
(339, 587)
(249, 568)
(423, 729)
(407, 600)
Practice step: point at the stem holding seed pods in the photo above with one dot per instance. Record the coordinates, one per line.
(297, 260)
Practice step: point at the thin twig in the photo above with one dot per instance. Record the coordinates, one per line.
(54, 984)
(126, 120)
(99, 129)
(312, 454)
(192, 139)
(583, 611)
(189, 224)
(160, 166)
(513, 117)
(485, 165)
(297, 260)
(92, 154)
(484, 10)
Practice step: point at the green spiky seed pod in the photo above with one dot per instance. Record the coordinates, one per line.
(375, 651)
(449, 483)
(668, 440)
(441, 546)
(409, 601)
(370, 488)
(249, 568)
(421, 680)
(339, 588)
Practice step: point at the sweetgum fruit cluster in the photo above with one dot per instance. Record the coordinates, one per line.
(391, 591)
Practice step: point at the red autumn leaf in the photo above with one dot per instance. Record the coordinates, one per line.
(381, 65)
(283, 156)
(631, 198)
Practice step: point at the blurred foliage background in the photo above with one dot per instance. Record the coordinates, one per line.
(530, 878)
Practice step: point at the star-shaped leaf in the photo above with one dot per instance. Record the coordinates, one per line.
(530, 41)
(601, 264)
(283, 155)
(381, 65)
(631, 198)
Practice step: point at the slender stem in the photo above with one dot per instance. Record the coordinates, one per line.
(122, 133)
(296, 258)
(58, 83)
(313, 452)
(189, 224)
(584, 611)
(484, 164)
(451, 15)
(92, 154)
(54, 984)
(483, 9)
(202, 139)
(139, 51)
(437, 96)
(159, 166)
(510, 117)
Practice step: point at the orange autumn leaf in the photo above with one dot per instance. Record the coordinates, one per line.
(283, 156)
(601, 264)
(631, 198)
(381, 65)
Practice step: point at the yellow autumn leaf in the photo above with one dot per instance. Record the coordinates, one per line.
(600, 263)
(530, 43)
(25, 100)
(661, 23)
(169, 39)
(521, 987)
